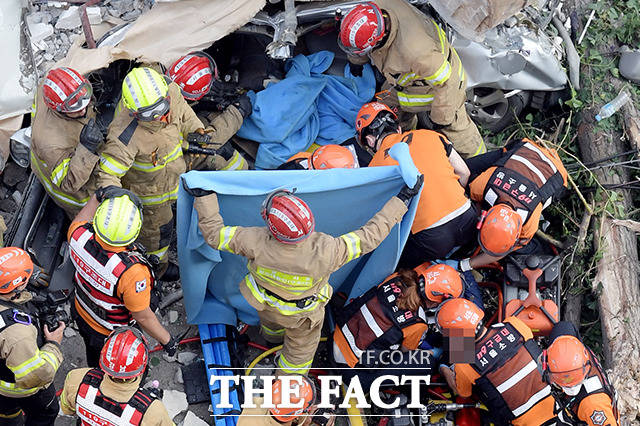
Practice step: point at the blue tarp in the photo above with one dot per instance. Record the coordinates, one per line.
(342, 200)
(305, 107)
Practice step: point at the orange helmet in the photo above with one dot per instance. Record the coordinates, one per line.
(500, 230)
(567, 361)
(459, 314)
(369, 117)
(333, 157)
(304, 391)
(439, 282)
(16, 268)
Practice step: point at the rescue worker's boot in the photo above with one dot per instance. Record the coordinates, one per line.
(172, 273)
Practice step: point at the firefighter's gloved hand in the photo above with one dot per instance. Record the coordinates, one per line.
(196, 192)
(113, 191)
(356, 69)
(244, 106)
(199, 138)
(171, 346)
(39, 278)
(91, 136)
(406, 193)
(226, 151)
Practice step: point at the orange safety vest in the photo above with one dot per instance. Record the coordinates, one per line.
(442, 198)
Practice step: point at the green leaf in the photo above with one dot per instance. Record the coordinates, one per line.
(154, 361)
(615, 72)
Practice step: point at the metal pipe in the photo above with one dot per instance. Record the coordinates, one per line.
(572, 54)
(86, 25)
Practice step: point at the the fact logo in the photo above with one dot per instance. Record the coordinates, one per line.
(329, 390)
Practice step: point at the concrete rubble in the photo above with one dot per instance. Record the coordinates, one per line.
(175, 402)
(186, 358)
(193, 420)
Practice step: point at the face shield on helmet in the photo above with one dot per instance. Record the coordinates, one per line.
(374, 119)
(145, 94)
(66, 90)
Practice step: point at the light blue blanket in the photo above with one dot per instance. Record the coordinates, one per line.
(342, 200)
(306, 107)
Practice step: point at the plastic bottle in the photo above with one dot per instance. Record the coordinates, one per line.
(608, 109)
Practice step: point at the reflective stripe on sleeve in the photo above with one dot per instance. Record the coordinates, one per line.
(11, 389)
(51, 189)
(272, 332)
(28, 366)
(161, 253)
(405, 99)
(111, 166)
(353, 245)
(236, 162)
(226, 234)
(291, 368)
(407, 78)
(60, 172)
(482, 148)
(441, 76)
(141, 166)
(51, 359)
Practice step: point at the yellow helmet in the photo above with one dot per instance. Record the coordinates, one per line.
(144, 93)
(117, 221)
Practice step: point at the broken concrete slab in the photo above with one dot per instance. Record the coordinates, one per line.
(173, 317)
(192, 420)
(178, 377)
(185, 358)
(69, 19)
(175, 402)
(40, 31)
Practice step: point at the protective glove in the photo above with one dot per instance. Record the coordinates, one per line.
(113, 191)
(244, 106)
(199, 138)
(171, 346)
(226, 151)
(39, 278)
(356, 69)
(406, 193)
(196, 192)
(221, 88)
(91, 136)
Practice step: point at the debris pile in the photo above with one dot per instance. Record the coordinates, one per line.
(55, 25)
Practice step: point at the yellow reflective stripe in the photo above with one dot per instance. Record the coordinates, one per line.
(12, 389)
(51, 359)
(226, 234)
(353, 245)
(236, 162)
(406, 99)
(407, 78)
(51, 190)
(253, 287)
(28, 366)
(110, 165)
(159, 199)
(60, 172)
(285, 308)
(289, 367)
(141, 166)
(272, 332)
(161, 253)
(64, 403)
(441, 35)
(289, 282)
(461, 69)
(440, 76)
(482, 148)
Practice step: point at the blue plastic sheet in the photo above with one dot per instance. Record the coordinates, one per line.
(342, 200)
(305, 107)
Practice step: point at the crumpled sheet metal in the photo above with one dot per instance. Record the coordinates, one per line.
(167, 32)
(473, 18)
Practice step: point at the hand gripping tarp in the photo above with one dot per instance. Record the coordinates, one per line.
(342, 200)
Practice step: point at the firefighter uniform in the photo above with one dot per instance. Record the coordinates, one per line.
(225, 125)
(374, 321)
(147, 159)
(27, 369)
(445, 217)
(287, 283)
(97, 399)
(258, 416)
(506, 376)
(527, 177)
(423, 73)
(110, 283)
(59, 161)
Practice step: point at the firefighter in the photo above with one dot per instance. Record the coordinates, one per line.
(422, 70)
(113, 393)
(587, 396)
(113, 279)
(27, 367)
(197, 76)
(445, 218)
(503, 371)
(289, 264)
(143, 153)
(513, 185)
(324, 157)
(393, 314)
(302, 393)
(65, 138)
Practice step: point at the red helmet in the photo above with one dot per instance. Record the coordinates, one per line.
(369, 117)
(361, 29)
(500, 230)
(333, 157)
(125, 353)
(439, 282)
(304, 391)
(289, 219)
(194, 73)
(16, 268)
(567, 361)
(66, 90)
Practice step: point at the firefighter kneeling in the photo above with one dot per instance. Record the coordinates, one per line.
(27, 369)
(113, 279)
(111, 394)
